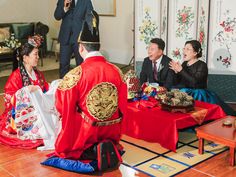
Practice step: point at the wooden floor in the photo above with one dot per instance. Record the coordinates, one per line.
(217, 166)
(26, 163)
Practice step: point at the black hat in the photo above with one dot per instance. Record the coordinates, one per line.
(89, 33)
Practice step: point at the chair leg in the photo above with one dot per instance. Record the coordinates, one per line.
(42, 61)
(41, 58)
(56, 54)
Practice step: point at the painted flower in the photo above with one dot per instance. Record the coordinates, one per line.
(148, 29)
(176, 54)
(222, 24)
(202, 33)
(201, 37)
(225, 36)
(225, 61)
(185, 19)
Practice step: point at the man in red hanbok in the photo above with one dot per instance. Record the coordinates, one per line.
(91, 100)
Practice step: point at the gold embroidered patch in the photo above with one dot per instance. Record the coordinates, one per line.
(102, 101)
(70, 79)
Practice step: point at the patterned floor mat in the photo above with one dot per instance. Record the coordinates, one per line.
(155, 160)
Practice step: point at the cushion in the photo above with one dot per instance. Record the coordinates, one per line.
(23, 31)
(4, 33)
(71, 165)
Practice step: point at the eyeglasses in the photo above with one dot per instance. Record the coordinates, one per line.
(187, 49)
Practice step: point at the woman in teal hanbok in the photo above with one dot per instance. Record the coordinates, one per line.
(192, 76)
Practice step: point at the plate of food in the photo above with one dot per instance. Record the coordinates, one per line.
(177, 101)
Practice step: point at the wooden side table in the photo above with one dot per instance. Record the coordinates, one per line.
(6, 55)
(218, 132)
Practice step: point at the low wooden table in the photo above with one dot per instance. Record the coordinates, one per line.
(217, 131)
(160, 126)
(5, 53)
(6, 57)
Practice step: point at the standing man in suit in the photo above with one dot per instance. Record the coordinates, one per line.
(156, 66)
(72, 13)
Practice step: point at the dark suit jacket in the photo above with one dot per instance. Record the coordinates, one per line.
(72, 20)
(166, 76)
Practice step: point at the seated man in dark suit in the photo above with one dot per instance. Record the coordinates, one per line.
(156, 66)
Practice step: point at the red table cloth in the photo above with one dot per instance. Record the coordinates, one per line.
(159, 126)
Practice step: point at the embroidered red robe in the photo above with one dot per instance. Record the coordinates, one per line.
(96, 90)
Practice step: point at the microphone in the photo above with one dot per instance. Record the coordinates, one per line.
(68, 4)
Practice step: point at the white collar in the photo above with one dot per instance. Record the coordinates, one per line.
(93, 54)
(159, 66)
(159, 59)
(32, 75)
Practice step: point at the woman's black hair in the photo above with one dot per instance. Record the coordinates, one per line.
(26, 49)
(196, 47)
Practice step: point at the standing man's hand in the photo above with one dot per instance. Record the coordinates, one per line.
(67, 4)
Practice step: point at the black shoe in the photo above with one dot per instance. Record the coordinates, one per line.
(102, 156)
(114, 158)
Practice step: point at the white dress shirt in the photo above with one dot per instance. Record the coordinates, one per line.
(158, 62)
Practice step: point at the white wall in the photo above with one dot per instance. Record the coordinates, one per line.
(54, 24)
(24, 11)
(115, 32)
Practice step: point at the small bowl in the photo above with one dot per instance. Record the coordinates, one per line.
(227, 122)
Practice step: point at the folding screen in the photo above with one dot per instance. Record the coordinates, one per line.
(164, 19)
(147, 25)
(202, 27)
(222, 37)
(213, 23)
(175, 21)
(182, 26)
(148, 16)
